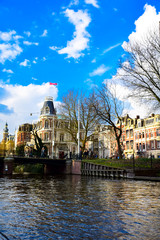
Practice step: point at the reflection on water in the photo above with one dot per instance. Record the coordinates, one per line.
(75, 207)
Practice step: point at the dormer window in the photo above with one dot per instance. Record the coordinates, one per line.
(47, 110)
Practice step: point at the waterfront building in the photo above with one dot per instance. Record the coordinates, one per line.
(24, 134)
(147, 136)
(141, 137)
(100, 142)
(51, 128)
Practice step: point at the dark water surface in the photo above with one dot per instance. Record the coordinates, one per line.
(75, 207)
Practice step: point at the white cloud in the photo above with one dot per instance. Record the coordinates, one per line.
(7, 70)
(93, 2)
(23, 100)
(27, 33)
(94, 60)
(115, 9)
(81, 20)
(74, 2)
(54, 48)
(26, 63)
(35, 60)
(99, 71)
(145, 24)
(35, 79)
(9, 46)
(7, 36)
(44, 34)
(9, 51)
(30, 43)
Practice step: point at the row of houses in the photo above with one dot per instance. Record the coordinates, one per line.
(140, 137)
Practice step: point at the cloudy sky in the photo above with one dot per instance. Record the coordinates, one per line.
(74, 43)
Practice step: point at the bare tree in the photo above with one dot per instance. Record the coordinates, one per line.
(69, 111)
(141, 69)
(108, 110)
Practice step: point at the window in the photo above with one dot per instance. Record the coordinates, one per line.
(61, 137)
(142, 134)
(46, 137)
(158, 132)
(151, 134)
(128, 122)
(152, 144)
(47, 110)
(131, 132)
(158, 119)
(148, 146)
(139, 135)
(46, 124)
(127, 145)
(158, 144)
(149, 121)
(127, 134)
(143, 146)
(136, 136)
(131, 144)
(140, 147)
(137, 146)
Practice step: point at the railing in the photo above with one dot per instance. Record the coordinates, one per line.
(100, 170)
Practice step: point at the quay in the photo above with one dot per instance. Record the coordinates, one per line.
(77, 167)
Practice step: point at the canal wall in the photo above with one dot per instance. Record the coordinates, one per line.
(91, 169)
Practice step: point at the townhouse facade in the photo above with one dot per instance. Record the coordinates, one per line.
(147, 136)
(141, 137)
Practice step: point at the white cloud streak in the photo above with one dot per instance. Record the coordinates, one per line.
(30, 43)
(7, 70)
(80, 41)
(99, 71)
(110, 48)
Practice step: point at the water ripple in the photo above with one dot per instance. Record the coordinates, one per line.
(74, 207)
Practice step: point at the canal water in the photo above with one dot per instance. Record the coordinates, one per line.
(75, 207)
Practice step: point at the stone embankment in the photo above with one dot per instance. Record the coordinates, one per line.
(104, 171)
(90, 169)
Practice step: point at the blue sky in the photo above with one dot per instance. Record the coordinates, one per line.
(75, 43)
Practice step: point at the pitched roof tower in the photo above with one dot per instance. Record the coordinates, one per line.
(48, 107)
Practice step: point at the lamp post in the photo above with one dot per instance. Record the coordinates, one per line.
(78, 150)
(53, 140)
